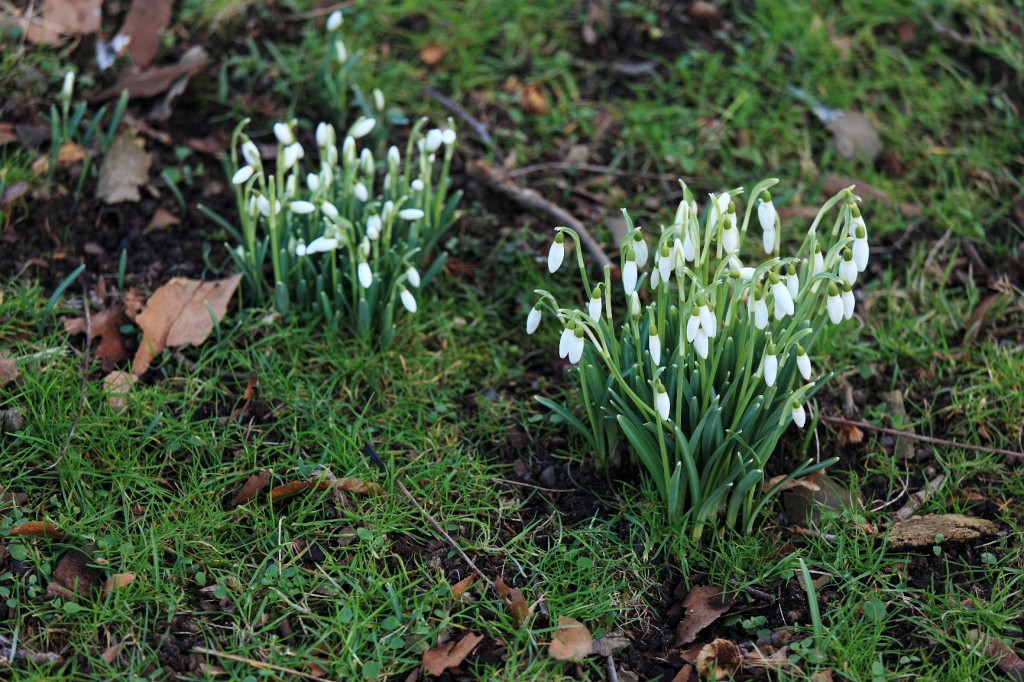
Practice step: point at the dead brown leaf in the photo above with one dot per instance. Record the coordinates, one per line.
(449, 654)
(345, 485)
(181, 313)
(431, 54)
(111, 653)
(517, 605)
(703, 607)
(74, 575)
(8, 371)
(253, 485)
(117, 581)
(1006, 658)
(64, 17)
(848, 433)
(161, 218)
(145, 20)
(460, 587)
(117, 385)
(721, 658)
(68, 155)
(154, 80)
(106, 326)
(124, 168)
(807, 483)
(532, 100)
(572, 641)
(38, 529)
(684, 675)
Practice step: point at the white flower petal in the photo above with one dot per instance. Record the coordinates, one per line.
(242, 175)
(771, 369)
(301, 207)
(799, 416)
(629, 275)
(410, 214)
(408, 300)
(803, 363)
(283, 133)
(412, 275)
(700, 342)
(251, 153)
(365, 275)
(362, 127)
(849, 303)
(556, 255)
(533, 320)
(661, 401)
(576, 345)
(834, 306)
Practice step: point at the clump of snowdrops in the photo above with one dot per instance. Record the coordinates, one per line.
(347, 236)
(706, 359)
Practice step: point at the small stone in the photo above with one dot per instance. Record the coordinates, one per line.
(11, 421)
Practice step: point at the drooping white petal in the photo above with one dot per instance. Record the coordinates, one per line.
(334, 21)
(365, 274)
(689, 247)
(251, 153)
(848, 270)
(360, 192)
(292, 153)
(242, 175)
(374, 224)
(719, 207)
(563, 342)
(654, 345)
(819, 263)
(556, 255)
(321, 245)
(283, 133)
(766, 216)
(655, 279)
(793, 285)
(692, 326)
(410, 214)
(378, 99)
(629, 277)
(700, 342)
(665, 264)
(362, 127)
(448, 136)
(640, 250)
(329, 209)
(803, 363)
(783, 300)
(416, 185)
(799, 416)
(533, 320)
(408, 300)
(412, 275)
(594, 307)
(312, 181)
(301, 207)
(771, 368)
(769, 240)
(340, 51)
(848, 304)
(433, 140)
(707, 321)
(760, 313)
(730, 236)
(661, 401)
(860, 254)
(834, 306)
(576, 345)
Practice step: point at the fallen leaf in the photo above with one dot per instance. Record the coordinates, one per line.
(8, 371)
(117, 385)
(703, 607)
(14, 192)
(73, 575)
(64, 17)
(161, 218)
(432, 53)
(68, 155)
(449, 654)
(156, 79)
(125, 166)
(514, 598)
(253, 485)
(849, 433)
(111, 653)
(572, 641)
(1006, 658)
(106, 326)
(532, 100)
(807, 482)
(609, 644)
(145, 20)
(460, 587)
(922, 531)
(720, 658)
(117, 581)
(181, 313)
(684, 674)
(39, 529)
(346, 485)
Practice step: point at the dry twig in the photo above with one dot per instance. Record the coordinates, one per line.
(919, 498)
(258, 664)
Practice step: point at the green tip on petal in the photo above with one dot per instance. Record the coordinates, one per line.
(833, 290)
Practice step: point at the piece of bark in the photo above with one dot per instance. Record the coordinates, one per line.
(934, 529)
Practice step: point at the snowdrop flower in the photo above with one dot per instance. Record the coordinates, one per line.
(412, 275)
(448, 136)
(557, 253)
(360, 192)
(640, 250)
(433, 140)
(792, 281)
(408, 300)
(68, 86)
(700, 342)
(730, 235)
(348, 151)
(334, 21)
(655, 279)
(320, 245)
(329, 210)
(799, 416)
(719, 207)
(362, 127)
(834, 304)
(847, 268)
(771, 365)
(302, 207)
(340, 52)
(388, 210)
(803, 363)
(263, 205)
(576, 345)
(374, 225)
(242, 175)
(251, 153)
(292, 153)
(689, 247)
(693, 325)
(818, 264)
(410, 214)
(634, 305)
(378, 99)
(416, 185)
(860, 248)
(766, 215)
(291, 185)
(533, 319)
(594, 307)
(365, 274)
(328, 161)
(299, 250)
(366, 161)
(365, 247)
(654, 345)
(283, 133)
(325, 135)
(661, 400)
(394, 156)
(708, 322)
(848, 301)
(312, 181)
(857, 221)
(758, 307)
(783, 298)
(565, 339)
(629, 273)
(665, 258)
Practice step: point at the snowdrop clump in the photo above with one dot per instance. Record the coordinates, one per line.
(706, 361)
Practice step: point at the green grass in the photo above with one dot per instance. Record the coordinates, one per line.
(144, 491)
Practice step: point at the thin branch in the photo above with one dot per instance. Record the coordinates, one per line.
(85, 378)
(532, 201)
(257, 664)
(924, 439)
(472, 121)
(918, 499)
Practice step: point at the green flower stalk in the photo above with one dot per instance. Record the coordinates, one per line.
(698, 386)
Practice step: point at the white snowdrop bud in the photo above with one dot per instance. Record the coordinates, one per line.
(766, 215)
(557, 253)
(693, 325)
(408, 300)
(329, 210)
(654, 345)
(792, 281)
(312, 181)
(665, 264)
(378, 99)
(661, 401)
(374, 225)
(576, 345)
(655, 279)
(68, 87)
(365, 247)
(412, 275)
(799, 416)
(708, 322)
(818, 265)
(565, 339)
(362, 127)
(242, 175)
(634, 305)
(689, 247)
(848, 301)
(325, 136)
(700, 342)
(594, 307)
(348, 151)
(251, 153)
(322, 244)
(433, 140)
(283, 133)
(300, 249)
(629, 275)
(771, 366)
(803, 363)
(340, 51)
(759, 309)
(533, 319)
(394, 156)
(292, 154)
(410, 214)
(448, 136)
(263, 205)
(291, 185)
(847, 268)
(730, 235)
(360, 192)
(334, 21)
(640, 250)
(416, 185)
(834, 304)
(301, 207)
(365, 274)
(860, 249)
(783, 299)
